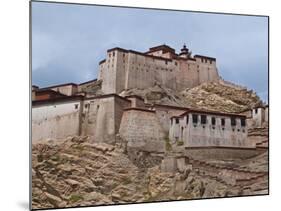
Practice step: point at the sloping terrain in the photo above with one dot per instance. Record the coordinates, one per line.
(214, 96)
(75, 172)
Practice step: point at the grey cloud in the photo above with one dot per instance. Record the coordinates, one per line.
(70, 40)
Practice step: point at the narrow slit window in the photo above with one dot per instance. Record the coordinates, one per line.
(194, 118)
(213, 121)
(187, 118)
(243, 122)
(222, 122)
(177, 121)
(233, 121)
(203, 119)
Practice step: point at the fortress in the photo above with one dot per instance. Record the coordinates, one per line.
(125, 69)
(96, 108)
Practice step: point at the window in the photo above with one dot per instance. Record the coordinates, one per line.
(243, 122)
(210, 61)
(176, 63)
(233, 121)
(256, 111)
(177, 121)
(76, 106)
(86, 105)
(166, 62)
(109, 55)
(223, 122)
(194, 118)
(187, 117)
(213, 121)
(203, 119)
(113, 54)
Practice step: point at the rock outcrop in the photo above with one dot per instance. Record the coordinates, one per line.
(75, 172)
(215, 96)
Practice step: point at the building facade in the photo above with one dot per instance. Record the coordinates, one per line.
(125, 69)
(195, 128)
(95, 108)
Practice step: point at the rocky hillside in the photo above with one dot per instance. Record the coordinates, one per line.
(216, 96)
(75, 172)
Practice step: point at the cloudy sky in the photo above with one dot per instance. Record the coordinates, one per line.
(68, 41)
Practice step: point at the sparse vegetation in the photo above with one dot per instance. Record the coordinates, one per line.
(168, 145)
(75, 197)
(180, 143)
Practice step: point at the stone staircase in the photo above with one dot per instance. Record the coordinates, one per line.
(227, 175)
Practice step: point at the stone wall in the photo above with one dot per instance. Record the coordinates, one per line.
(68, 89)
(258, 115)
(56, 120)
(207, 134)
(126, 69)
(102, 117)
(141, 129)
(220, 153)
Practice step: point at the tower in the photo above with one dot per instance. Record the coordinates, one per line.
(184, 52)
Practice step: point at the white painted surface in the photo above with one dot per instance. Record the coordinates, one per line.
(55, 120)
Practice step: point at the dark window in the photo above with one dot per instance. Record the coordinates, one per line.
(203, 119)
(256, 110)
(194, 118)
(113, 54)
(210, 61)
(166, 62)
(187, 118)
(213, 121)
(86, 105)
(201, 59)
(109, 55)
(233, 121)
(76, 106)
(177, 121)
(243, 130)
(176, 63)
(223, 122)
(243, 122)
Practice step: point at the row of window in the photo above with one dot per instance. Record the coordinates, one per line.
(203, 120)
(203, 60)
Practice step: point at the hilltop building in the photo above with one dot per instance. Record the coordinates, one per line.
(96, 109)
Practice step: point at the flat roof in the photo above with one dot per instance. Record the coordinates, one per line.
(59, 85)
(164, 47)
(58, 99)
(139, 109)
(86, 82)
(209, 112)
(204, 57)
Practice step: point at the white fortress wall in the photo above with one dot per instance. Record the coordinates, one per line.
(198, 134)
(56, 120)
